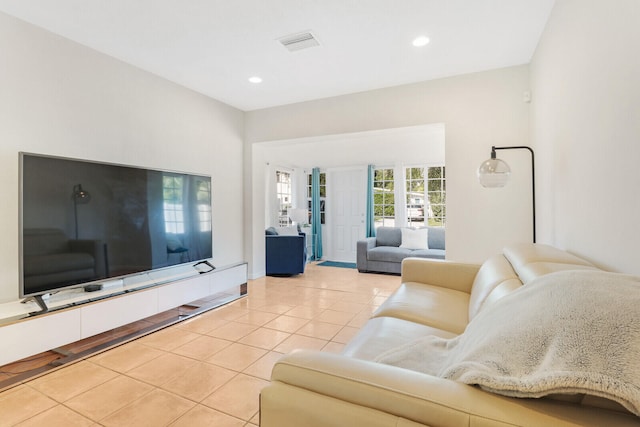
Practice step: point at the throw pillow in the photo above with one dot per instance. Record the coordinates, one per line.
(291, 230)
(415, 239)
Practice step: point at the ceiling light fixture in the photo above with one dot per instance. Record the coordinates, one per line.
(421, 41)
(255, 79)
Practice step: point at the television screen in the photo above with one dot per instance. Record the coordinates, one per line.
(84, 222)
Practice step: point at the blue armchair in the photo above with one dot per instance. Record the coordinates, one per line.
(286, 255)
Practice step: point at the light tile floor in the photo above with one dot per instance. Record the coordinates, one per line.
(208, 370)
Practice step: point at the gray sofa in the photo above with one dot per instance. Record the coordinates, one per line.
(383, 253)
(50, 257)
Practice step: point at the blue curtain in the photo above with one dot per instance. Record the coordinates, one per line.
(316, 225)
(371, 225)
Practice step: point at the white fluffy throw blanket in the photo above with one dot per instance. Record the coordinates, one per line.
(566, 332)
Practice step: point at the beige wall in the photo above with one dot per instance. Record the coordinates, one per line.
(60, 98)
(585, 122)
(478, 110)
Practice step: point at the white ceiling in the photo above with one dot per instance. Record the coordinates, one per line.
(214, 46)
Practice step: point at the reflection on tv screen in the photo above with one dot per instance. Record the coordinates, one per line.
(85, 221)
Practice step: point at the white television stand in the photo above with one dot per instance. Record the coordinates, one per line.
(26, 330)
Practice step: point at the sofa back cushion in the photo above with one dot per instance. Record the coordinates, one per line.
(495, 279)
(388, 236)
(392, 236)
(531, 261)
(436, 237)
(290, 230)
(519, 264)
(44, 241)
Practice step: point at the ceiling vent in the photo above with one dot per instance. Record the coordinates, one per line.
(299, 41)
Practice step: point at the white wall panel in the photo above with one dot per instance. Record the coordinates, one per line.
(585, 123)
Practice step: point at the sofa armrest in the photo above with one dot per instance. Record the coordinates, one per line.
(368, 385)
(447, 274)
(285, 255)
(316, 389)
(367, 243)
(362, 247)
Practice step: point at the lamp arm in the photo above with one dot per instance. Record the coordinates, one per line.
(533, 177)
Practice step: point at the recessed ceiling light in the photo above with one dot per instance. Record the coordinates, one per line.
(255, 79)
(421, 41)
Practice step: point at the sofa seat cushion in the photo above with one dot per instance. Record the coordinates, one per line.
(428, 305)
(428, 253)
(393, 254)
(382, 333)
(56, 263)
(388, 254)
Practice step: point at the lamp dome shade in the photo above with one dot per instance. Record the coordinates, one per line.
(80, 195)
(494, 173)
(298, 215)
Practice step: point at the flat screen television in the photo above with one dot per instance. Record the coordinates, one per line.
(84, 222)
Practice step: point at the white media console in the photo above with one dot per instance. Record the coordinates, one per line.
(74, 314)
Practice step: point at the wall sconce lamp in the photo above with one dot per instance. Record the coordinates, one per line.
(495, 173)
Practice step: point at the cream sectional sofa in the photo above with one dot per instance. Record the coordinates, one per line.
(311, 388)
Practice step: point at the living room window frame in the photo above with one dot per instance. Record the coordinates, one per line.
(415, 198)
(173, 206)
(384, 213)
(284, 195)
(203, 196)
(436, 194)
(434, 177)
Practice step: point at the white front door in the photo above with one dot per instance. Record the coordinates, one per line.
(347, 203)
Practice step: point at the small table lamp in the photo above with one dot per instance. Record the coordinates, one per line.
(298, 216)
